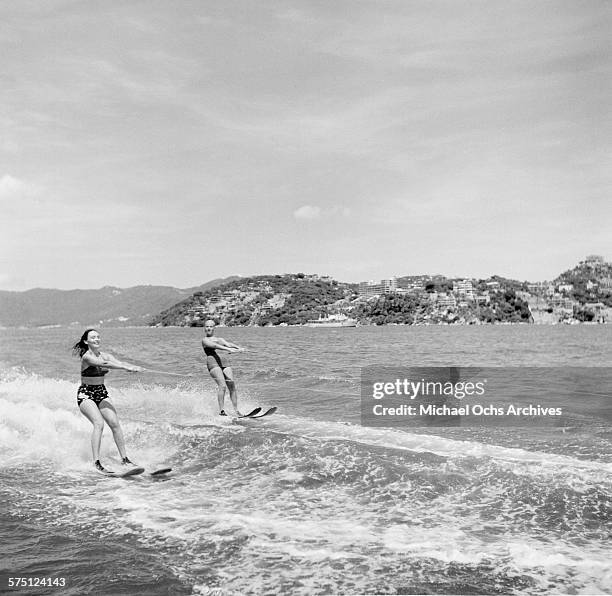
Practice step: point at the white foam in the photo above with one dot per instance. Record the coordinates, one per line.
(532, 462)
(277, 515)
(40, 420)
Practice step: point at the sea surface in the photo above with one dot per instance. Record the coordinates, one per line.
(306, 501)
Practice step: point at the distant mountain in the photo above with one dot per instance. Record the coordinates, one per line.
(113, 306)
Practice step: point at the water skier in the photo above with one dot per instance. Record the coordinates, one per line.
(92, 396)
(218, 367)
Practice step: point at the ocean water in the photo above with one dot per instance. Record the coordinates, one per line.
(306, 501)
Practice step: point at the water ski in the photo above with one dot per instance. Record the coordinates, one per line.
(160, 472)
(266, 413)
(251, 413)
(123, 473)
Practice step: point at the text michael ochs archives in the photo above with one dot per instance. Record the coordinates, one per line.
(477, 396)
(430, 389)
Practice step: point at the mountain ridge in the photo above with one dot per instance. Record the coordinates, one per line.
(581, 294)
(38, 307)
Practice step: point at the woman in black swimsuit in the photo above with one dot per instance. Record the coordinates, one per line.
(92, 397)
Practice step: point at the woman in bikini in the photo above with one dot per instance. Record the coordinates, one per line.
(217, 366)
(92, 397)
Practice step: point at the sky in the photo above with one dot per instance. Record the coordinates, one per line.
(171, 143)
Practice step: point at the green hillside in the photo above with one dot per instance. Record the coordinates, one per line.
(291, 299)
(591, 280)
(580, 294)
(295, 299)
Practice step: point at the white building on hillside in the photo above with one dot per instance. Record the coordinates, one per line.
(464, 288)
(372, 288)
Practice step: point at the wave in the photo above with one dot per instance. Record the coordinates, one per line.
(256, 504)
(40, 420)
(41, 412)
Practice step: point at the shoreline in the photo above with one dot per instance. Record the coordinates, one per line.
(573, 323)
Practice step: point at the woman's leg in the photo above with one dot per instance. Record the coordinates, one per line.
(90, 411)
(110, 415)
(217, 374)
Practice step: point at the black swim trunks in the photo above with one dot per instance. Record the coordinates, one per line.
(94, 392)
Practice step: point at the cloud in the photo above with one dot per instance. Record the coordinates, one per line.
(307, 212)
(315, 212)
(13, 188)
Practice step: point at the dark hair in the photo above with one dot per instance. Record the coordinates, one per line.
(80, 347)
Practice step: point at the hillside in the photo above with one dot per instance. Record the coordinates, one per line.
(113, 306)
(581, 294)
(590, 281)
(295, 299)
(446, 307)
(290, 299)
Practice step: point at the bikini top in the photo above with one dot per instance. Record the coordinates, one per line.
(94, 371)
